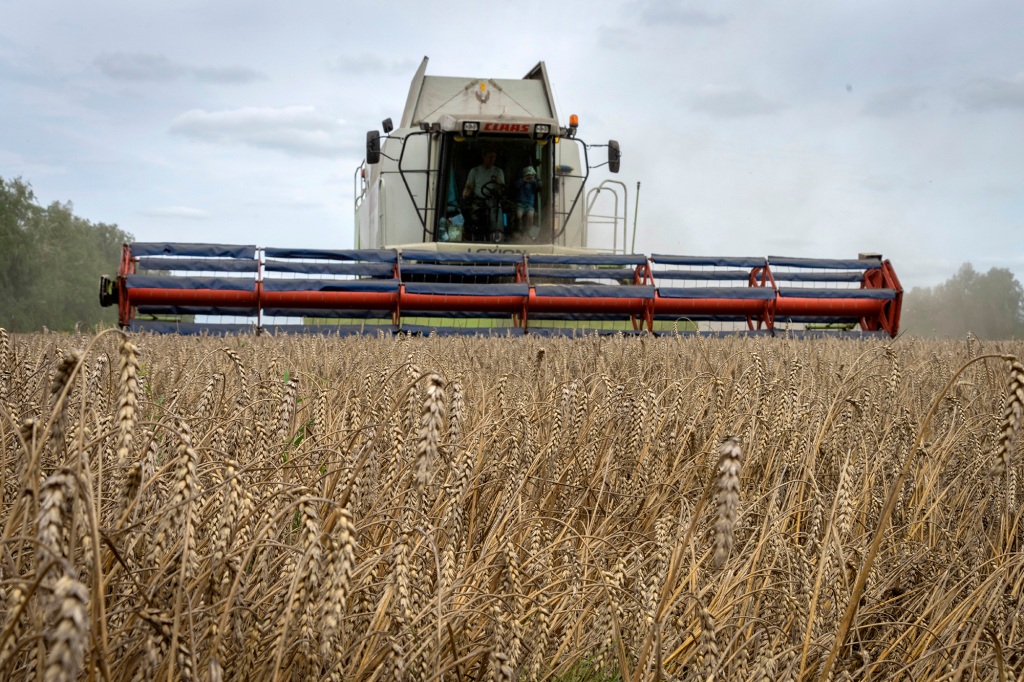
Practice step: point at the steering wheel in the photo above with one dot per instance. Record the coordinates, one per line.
(492, 189)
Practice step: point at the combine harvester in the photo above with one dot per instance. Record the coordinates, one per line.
(475, 215)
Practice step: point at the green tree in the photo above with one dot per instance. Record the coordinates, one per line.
(18, 262)
(50, 263)
(989, 305)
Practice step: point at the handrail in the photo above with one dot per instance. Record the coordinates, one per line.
(592, 195)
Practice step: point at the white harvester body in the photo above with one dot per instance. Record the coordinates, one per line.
(414, 193)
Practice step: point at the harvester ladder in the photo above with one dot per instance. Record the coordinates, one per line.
(619, 198)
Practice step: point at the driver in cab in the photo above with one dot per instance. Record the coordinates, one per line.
(483, 174)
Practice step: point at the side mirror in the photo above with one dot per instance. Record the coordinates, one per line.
(372, 147)
(614, 156)
(387, 125)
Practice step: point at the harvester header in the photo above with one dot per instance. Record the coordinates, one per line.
(304, 290)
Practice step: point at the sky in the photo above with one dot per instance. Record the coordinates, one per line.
(787, 128)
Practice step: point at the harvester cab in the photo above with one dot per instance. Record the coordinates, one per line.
(474, 216)
(476, 164)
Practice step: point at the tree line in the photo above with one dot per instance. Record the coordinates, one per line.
(989, 305)
(50, 263)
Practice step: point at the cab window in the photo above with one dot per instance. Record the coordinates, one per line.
(493, 190)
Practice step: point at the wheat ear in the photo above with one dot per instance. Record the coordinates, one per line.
(708, 643)
(431, 416)
(66, 638)
(339, 561)
(730, 458)
(1013, 409)
(127, 399)
(61, 378)
(55, 503)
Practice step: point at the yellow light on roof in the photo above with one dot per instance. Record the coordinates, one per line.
(574, 121)
(482, 94)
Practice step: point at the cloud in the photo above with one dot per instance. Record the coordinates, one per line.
(278, 201)
(140, 67)
(296, 131)
(777, 244)
(177, 212)
(732, 103)
(988, 94)
(618, 38)
(370, 64)
(661, 12)
(895, 102)
(30, 166)
(226, 74)
(891, 183)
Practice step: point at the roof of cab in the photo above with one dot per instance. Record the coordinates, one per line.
(431, 97)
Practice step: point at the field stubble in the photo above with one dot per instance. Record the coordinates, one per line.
(425, 508)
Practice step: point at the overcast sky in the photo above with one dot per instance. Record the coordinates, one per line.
(790, 127)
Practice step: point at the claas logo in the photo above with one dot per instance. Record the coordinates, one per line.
(506, 128)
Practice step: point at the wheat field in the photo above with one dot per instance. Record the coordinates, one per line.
(604, 508)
